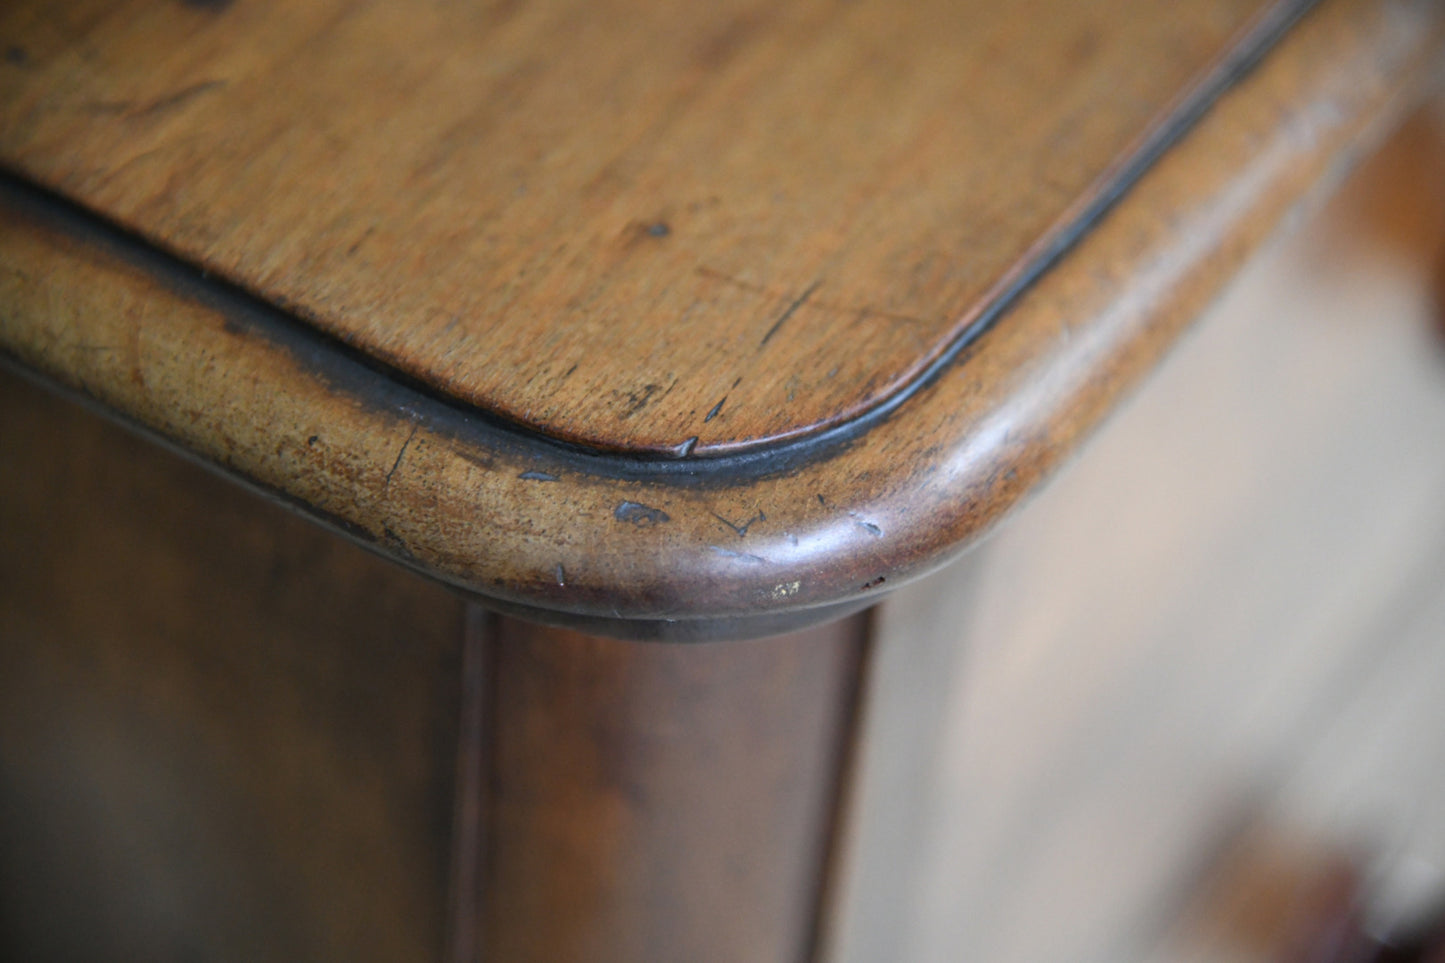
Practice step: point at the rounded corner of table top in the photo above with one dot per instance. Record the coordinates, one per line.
(732, 542)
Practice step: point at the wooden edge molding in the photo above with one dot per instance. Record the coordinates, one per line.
(695, 549)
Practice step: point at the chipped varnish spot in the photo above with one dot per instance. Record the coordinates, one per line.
(636, 513)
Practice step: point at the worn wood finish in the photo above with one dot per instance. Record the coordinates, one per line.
(224, 734)
(645, 802)
(635, 225)
(666, 549)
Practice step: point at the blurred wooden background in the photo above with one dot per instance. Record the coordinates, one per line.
(1209, 659)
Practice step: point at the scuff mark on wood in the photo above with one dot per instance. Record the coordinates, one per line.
(474, 457)
(718, 49)
(642, 232)
(636, 401)
(741, 556)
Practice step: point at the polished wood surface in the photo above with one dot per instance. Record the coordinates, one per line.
(641, 226)
(700, 547)
(224, 733)
(647, 802)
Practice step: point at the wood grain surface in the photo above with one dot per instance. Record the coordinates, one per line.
(639, 226)
(224, 734)
(661, 803)
(666, 549)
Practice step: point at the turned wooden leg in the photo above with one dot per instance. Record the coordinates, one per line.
(633, 801)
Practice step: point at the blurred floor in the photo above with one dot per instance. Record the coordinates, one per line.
(1210, 657)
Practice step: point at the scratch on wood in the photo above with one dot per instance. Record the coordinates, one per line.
(396, 543)
(537, 476)
(561, 574)
(801, 300)
(360, 241)
(401, 454)
(860, 313)
(130, 110)
(715, 409)
(182, 95)
(741, 530)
